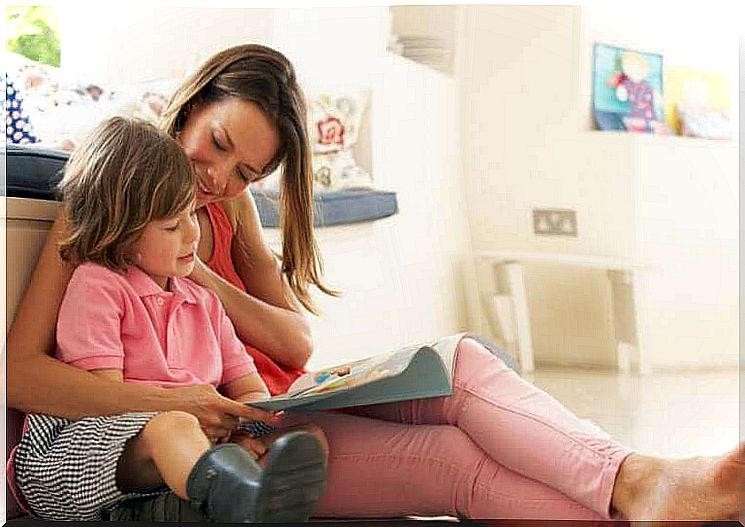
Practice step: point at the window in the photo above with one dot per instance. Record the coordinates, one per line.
(33, 31)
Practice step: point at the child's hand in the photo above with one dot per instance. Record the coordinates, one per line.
(253, 445)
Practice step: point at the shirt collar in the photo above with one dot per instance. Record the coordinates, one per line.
(144, 285)
(181, 289)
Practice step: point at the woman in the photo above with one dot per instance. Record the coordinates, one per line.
(498, 447)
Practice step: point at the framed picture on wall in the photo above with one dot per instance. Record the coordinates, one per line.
(627, 90)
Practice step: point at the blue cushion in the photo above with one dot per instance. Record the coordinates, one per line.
(333, 208)
(33, 172)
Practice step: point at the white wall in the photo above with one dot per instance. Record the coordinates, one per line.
(115, 43)
(687, 195)
(333, 46)
(403, 277)
(525, 76)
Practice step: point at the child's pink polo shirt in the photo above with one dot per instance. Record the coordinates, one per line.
(182, 337)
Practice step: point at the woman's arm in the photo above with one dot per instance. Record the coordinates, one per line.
(37, 382)
(112, 375)
(269, 317)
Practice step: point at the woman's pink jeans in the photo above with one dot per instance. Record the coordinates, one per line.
(497, 448)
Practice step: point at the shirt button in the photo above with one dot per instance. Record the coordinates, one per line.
(160, 301)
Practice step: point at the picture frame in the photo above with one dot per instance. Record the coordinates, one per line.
(627, 90)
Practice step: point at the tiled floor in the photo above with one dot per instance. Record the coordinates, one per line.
(670, 414)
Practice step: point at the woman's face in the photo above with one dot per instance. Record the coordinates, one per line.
(231, 143)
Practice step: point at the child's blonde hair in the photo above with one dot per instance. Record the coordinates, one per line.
(125, 174)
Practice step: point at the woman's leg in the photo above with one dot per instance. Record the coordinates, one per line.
(519, 426)
(529, 432)
(384, 469)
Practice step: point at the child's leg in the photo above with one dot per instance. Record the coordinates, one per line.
(158, 455)
(226, 482)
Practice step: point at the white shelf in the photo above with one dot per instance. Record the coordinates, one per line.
(600, 262)
(429, 33)
(662, 140)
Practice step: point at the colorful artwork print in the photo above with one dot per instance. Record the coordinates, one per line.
(627, 90)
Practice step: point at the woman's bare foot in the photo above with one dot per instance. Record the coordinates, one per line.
(701, 488)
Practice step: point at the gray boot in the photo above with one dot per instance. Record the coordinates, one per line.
(231, 487)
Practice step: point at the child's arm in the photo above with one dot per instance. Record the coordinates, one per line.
(90, 320)
(246, 389)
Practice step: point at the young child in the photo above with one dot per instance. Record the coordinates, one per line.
(130, 315)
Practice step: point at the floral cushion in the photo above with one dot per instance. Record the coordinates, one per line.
(334, 125)
(334, 121)
(61, 109)
(18, 129)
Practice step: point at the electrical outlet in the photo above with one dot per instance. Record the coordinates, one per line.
(555, 222)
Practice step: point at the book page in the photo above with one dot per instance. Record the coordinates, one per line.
(353, 374)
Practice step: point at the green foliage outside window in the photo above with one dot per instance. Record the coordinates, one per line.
(33, 32)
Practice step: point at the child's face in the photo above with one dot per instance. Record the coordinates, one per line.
(168, 247)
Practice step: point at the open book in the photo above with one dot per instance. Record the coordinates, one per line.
(409, 373)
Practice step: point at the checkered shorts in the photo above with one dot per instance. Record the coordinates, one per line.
(66, 469)
(255, 428)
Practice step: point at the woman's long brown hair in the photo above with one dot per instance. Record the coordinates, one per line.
(264, 76)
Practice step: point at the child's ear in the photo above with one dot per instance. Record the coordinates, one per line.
(132, 255)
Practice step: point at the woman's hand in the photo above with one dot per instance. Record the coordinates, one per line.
(218, 415)
(199, 272)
